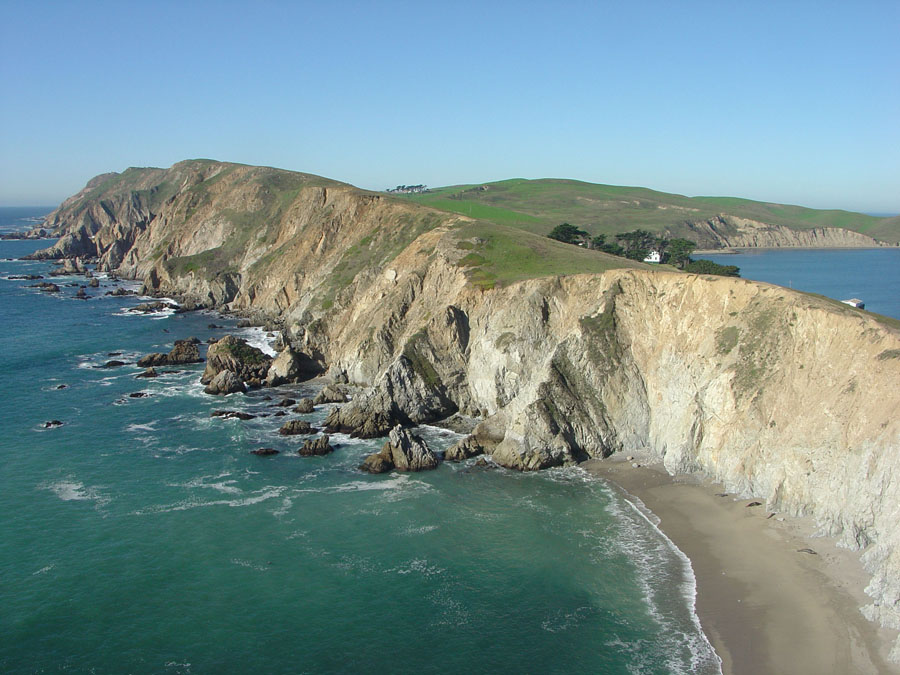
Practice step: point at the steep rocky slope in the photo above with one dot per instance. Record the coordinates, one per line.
(778, 394)
(725, 231)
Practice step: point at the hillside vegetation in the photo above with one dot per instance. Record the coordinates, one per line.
(538, 205)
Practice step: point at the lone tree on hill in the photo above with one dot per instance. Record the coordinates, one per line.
(568, 234)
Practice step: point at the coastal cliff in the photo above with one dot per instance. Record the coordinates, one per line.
(726, 231)
(778, 394)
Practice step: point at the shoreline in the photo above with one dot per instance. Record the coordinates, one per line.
(766, 604)
(738, 250)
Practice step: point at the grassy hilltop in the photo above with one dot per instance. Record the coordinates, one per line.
(538, 205)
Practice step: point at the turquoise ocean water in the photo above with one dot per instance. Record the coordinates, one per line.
(142, 537)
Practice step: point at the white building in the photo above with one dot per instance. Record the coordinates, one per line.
(654, 257)
(855, 302)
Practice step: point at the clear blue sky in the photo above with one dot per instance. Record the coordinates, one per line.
(785, 101)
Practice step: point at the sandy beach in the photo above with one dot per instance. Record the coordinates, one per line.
(771, 597)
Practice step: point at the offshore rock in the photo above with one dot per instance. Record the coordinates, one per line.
(232, 414)
(264, 452)
(316, 447)
(46, 287)
(225, 382)
(379, 462)
(296, 427)
(358, 423)
(184, 351)
(235, 355)
(409, 452)
(305, 406)
(69, 266)
(150, 307)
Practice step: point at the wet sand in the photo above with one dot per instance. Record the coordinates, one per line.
(767, 605)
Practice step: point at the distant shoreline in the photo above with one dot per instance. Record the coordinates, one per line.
(766, 604)
(735, 250)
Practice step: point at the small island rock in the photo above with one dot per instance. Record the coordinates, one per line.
(295, 428)
(305, 405)
(316, 447)
(224, 383)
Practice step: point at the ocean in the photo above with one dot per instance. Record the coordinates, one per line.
(141, 536)
(869, 274)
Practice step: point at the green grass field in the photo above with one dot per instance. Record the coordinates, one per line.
(538, 205)
(499, 255)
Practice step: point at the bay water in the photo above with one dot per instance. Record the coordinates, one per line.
(141, 536)
(869, 274)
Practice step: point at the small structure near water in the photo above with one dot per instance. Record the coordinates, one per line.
(855, 302)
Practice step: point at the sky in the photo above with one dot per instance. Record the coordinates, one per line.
(793, 102)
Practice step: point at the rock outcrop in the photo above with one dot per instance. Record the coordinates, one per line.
(726, 231)
(331, 393)
(291, 366)
(232, 414)
(464, 449)
(296, 427)
(305, 406)
(404, 451)
(233, 354)
(264, 452)
(225, 382)
(410, 452)
(316, 447)
(379, 462)
(183, 352)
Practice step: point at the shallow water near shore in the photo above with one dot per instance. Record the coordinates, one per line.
(141, 536)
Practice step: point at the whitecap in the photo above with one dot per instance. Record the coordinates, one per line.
(43, 570)
(649, 554)
(250, 564)
(150, 426)
(450, 611)
(286, 504)
(561, 620)
(187, 504)
(70, 490)
(421, 529)
(398, 483)
(419, 566)
(257, 337)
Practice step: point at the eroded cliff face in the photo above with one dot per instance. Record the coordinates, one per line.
(727, 231)
(777, 394)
